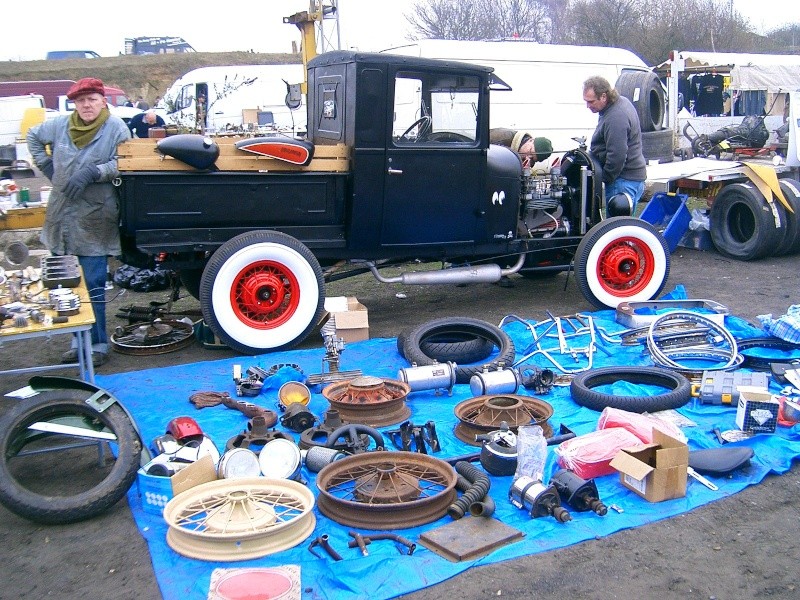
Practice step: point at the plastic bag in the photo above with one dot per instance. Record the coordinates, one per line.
(640, 425)
(589, 455)
(699, 220)
(531, 452)
(123, 275)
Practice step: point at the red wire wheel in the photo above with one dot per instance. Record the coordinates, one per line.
(265, 294)
(262, 291)
(622, 258)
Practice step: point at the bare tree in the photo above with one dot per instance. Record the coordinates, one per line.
(481, 19)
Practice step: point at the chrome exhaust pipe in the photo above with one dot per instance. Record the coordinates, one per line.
(473, 274)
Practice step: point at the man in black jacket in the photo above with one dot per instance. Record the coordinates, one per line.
(617, 145)
(140, 124)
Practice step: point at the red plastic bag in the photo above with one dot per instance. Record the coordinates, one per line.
(588, 455)
(640, 425)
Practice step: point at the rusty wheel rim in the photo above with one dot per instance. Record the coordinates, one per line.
(369, 400)
(483, 414)
(386, 490)
(239, 519)
(156, 337)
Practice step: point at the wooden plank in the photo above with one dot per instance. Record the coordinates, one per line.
(231, 163)
(147, 147)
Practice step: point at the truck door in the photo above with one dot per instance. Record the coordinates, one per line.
(434, 163)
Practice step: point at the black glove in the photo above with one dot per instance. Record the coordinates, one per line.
(79, 180)
(47, 169)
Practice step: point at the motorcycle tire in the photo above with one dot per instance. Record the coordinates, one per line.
(36, 498)
(583, 392)
(458, 348)
(414, 343)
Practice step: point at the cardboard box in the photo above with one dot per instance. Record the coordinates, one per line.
(350, 318)
(654, 471)
(757, 410)
(156, 492)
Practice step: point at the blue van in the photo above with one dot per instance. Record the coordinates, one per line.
(64, 54)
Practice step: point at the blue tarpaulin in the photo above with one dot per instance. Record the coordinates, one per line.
(156, 396)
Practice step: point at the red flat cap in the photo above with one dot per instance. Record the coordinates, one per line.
(87, 85)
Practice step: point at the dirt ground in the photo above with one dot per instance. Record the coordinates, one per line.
(745, 546)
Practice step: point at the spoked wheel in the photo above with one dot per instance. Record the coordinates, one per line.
(157, 337)
(386, 490)
(262, 291)
(62, 461)
(239, 519)
(619, 259)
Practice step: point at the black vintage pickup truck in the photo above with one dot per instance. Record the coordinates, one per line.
(398, 168)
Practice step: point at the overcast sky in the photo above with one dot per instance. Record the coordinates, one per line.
(240, 24)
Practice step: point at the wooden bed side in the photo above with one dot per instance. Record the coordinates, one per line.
(141, 155)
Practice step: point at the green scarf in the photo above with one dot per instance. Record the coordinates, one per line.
(82, 133)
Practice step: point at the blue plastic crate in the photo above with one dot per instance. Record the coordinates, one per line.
(669, 214)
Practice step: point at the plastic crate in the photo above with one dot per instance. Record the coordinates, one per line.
(154, 492)
(669, 214)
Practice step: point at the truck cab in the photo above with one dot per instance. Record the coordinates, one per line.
(419, 137)
(400, 170)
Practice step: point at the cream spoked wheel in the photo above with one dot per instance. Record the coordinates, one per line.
(239, 519)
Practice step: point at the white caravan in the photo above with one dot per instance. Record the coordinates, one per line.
(251, 97)
(546, 80)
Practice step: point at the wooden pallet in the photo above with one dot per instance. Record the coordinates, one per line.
(141, 155)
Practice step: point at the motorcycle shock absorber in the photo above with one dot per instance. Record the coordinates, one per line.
(540, 500)
(580, 494)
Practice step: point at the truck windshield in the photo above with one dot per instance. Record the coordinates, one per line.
(435, 108)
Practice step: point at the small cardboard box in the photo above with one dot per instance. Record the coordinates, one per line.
(654, 471)
(156, 491)
(757, 410)
(350, 318)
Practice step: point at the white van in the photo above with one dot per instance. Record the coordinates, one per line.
(238, 97)
(546, 80)
(12, 111)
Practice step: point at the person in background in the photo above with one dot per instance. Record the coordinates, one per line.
(617, 146)
(141, 104)
(140, 124)
(83, 213)
(530, 149)
(158, 102)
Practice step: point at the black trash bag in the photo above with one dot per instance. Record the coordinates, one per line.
(124, 274)
(152, 280)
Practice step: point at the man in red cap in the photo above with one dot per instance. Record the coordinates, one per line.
(83, 212)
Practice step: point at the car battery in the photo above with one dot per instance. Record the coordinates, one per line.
(721, 387)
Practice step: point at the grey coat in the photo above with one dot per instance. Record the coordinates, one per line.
(617, 142)
(90, 225)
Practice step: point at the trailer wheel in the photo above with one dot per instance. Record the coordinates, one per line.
(742, 224)
(621, 259)
(791, 191)
(644, 90)
(262, 291)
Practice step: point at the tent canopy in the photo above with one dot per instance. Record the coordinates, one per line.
(771, 72)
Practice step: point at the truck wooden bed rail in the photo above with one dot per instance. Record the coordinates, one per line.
(141, 155)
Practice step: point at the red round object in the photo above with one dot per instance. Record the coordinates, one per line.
(265, 294)
(253, 584)
(625, 267)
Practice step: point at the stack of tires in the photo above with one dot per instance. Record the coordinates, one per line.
(744, 226)
(644, 90)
